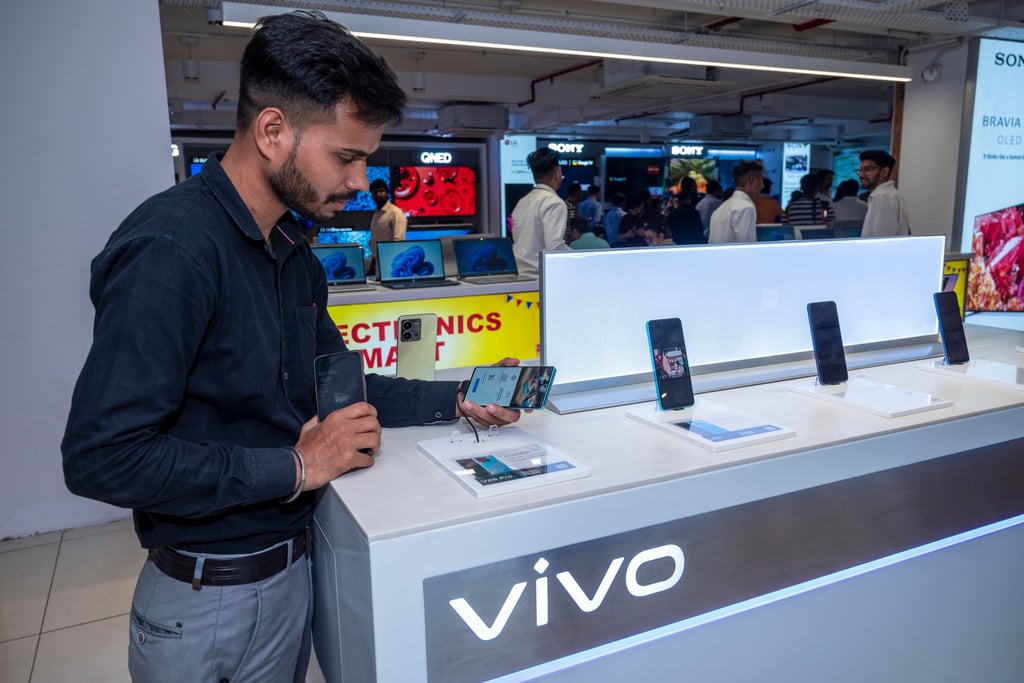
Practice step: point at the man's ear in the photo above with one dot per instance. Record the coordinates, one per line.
(272, 134)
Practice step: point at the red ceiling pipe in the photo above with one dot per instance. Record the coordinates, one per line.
(722, 23)
(813, 23)
(743, 100)
(551, 77)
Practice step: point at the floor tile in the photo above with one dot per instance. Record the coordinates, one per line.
(90, 653)
(95, 579)
(25, 577)
(313, 674)
(29, 541)
(96, 529)
(16, 659)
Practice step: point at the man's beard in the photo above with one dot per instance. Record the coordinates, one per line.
(298, 194)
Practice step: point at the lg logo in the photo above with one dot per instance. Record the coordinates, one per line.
(586, 603)
(1009, 59)
(436, 157)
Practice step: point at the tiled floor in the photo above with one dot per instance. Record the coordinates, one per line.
(64, 601)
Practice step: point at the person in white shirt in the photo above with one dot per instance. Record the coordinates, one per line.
(736, 219)
(539, 218)
(847, 206)
(887, 213)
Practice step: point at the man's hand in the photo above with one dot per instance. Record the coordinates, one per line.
(491, 414)
(332, 447)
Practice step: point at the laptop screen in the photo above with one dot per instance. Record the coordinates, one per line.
(410, 260)
(343, 263)
(485, 256)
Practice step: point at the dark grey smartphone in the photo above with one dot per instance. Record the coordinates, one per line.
(339, 381)
(827, 342)
(670, 364)
(951, 328)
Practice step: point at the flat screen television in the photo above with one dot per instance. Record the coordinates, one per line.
(995, 281)
(435, 191)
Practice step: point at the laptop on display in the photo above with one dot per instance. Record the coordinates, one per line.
(343, 266)
(411, 263)
(486, 259)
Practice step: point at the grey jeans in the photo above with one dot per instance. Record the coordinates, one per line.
(249, 633)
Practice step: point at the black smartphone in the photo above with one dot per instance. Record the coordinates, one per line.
(827, 342)
(339, 381)
(670, 364)
(519, 387)
(951, 328)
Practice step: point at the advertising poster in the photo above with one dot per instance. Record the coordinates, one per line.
(471, 330)
(796, 163)
(993, 221)
(516, 177)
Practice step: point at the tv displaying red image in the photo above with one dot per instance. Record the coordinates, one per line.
(435, 191)
(995, 280)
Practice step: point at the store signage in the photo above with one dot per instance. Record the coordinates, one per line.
(497, 619)
(687, 150)
(436, 157)
(566, 147)
(1009, 59)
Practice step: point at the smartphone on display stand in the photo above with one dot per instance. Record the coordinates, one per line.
(670, 364)
(951, 328)
(339, 381)
(520, 387)
(417, 346)
(827, 342)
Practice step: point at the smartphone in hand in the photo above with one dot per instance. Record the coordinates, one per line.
(827, 342)
(339, 381)
(520, 387)
(670, 363)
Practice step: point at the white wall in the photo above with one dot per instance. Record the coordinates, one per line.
(86, 138)
(929, 152)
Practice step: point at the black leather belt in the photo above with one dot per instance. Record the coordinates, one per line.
(230, 571)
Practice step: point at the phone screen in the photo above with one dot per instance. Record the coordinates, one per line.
(520, 387)
(951, 328)
(827, 341)
(339, 381)
(670, 364)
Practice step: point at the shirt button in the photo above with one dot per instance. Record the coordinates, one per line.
(437, 415)
(286, 377)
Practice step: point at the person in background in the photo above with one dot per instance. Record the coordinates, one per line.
(195, 406)
(388, 223)
(583, 236)
(572, 206)
(768, 209)
(632, 226)
(711, 201)
(887, 213)
(655, 236)
(736, 219)
(683, 222)
(539, 219)
(599, 231)
(847, 206)
(613, 218)
(826, 177)
(809, 208)
(591, 208)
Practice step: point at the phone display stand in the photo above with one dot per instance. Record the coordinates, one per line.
(504, 460)
(872, 397)
(710, 425)
(1002, 375)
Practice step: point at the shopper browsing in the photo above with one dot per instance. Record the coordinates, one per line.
(591, 208)
(887, 213)
(540, 219)
(195, 406)
(736, 219)
(847, 207)
(388, 223)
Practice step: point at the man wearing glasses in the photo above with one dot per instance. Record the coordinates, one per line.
(887, 212)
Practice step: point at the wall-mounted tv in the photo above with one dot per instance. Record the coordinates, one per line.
(364, 201)
(435, 191)
(996, 278)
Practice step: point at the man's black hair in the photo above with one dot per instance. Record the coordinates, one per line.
(745, 168)
(379, 183)
(713, 186)
(809, 183)
(542, 162)
(882, 158)
(580, 224)
(306, 64)
(594, 190)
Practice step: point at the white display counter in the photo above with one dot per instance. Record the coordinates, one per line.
(863, 548)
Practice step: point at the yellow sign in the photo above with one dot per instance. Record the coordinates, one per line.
(471, 330)
(954, 277)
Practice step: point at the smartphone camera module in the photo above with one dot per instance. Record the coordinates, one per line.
(411, 329)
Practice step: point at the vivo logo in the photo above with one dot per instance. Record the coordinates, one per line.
(563, 147)
(687, 150)
(1009, 59)
(586, 603)
(436, 157)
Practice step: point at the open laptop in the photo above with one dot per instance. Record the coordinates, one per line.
(773, 232)
(486, 259)
(411, 263)
(343, 266)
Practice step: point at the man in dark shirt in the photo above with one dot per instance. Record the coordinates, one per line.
(196, 406)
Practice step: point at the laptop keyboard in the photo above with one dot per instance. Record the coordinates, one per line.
(412, 284)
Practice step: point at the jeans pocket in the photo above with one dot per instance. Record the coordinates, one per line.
(143, 628)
